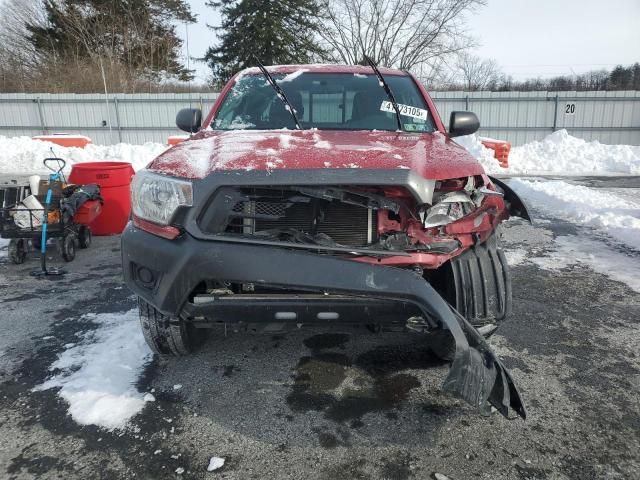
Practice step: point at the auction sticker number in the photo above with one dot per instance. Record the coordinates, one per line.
(570, 109)
(406, 110)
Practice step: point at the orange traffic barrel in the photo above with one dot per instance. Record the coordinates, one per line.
(176, 139)
(500, 149)
(65, 139)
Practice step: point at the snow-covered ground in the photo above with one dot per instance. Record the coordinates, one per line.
(97, 376)
(571, 250)
(4, 243)
(607, 223)
(608, 214)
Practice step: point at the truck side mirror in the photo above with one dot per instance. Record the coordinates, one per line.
(189, 119)
(463, 123)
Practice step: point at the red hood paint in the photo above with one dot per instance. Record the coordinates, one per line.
(431, 155)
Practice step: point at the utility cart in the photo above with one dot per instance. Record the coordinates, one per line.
(54, 209)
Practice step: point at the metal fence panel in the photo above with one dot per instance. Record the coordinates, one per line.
(519, 117)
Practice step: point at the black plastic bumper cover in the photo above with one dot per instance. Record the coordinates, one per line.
(476, 373)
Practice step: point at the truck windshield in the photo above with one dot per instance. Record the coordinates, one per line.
(326, 101)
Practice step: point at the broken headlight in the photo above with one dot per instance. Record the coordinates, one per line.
(157, 197)
(449, 208)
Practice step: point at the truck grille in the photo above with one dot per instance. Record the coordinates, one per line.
(345, 224)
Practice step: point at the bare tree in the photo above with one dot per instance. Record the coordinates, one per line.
(85, 46)
(477, 73)
(18, 57)
(396, 33)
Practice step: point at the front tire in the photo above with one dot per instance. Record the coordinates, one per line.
(168, 335)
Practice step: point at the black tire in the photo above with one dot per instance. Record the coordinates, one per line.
(67, 247)
(17, 250)
(85, 237)
(167, 335)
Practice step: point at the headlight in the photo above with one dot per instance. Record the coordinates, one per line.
(451, 207)
(156, 197)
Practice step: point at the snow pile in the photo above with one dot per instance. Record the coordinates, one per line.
(96, 377)
(483, 154)
(610, 214)
(23, 155)
(559, 153)
(562, 153)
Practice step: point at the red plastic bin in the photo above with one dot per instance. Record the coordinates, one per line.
(88, 212)
(114, 179)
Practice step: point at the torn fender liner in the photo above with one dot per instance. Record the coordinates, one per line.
(482, 283)
(515, 204)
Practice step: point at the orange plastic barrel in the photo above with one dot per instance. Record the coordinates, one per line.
(114, 179)
(500, 149)
(176, 139)
(65, 140)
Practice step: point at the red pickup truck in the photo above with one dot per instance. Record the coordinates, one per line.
(326, 194)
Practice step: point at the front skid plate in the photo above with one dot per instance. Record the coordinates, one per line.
(476, 373)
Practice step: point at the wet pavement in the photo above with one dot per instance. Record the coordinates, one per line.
(341, 403)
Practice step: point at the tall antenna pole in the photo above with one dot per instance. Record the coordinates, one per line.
(186, 27)
(106, 98)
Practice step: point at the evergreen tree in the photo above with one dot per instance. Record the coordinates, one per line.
(621, 78)
(636, 76)
(139, 34)
(274, 31)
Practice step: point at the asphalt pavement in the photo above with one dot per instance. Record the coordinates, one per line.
(334, 403)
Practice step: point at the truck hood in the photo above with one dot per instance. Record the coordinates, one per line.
(431, 155)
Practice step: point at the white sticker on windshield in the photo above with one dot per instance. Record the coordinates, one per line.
(406, 110)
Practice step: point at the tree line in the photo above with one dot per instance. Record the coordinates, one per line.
(472, 73)
(87, 46)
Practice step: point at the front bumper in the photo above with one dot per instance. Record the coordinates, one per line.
(178, 266)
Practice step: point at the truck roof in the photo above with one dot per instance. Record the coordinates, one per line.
(322, 68)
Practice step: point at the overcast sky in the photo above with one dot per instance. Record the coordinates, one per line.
(528, 38)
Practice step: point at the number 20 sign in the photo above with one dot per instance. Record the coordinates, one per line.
(570, 109)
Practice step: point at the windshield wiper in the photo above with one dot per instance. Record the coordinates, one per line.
(279, 93)
(387, 90)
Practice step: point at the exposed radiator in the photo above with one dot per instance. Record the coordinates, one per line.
(346, 224)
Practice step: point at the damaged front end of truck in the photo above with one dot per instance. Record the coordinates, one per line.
(326, 195)
(417, 254)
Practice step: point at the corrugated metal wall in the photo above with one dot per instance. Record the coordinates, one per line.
(519, 117)
(136, 118)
